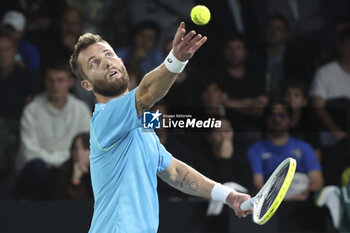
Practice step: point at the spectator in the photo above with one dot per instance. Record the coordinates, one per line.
(211, 99)
(331, 86)
(331, 99)
(228, 17)
(48, 125)
(105, 17)
(57, 44)
(304, 17)
(166, 13)
(242, 84)
(74, 182)
(303, 122)
(331, 54)
(141, 51)
(14, 22)
(266, 155)
(17, 86)
(216, 154)
(281, 59)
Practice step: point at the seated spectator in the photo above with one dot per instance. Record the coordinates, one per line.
(304, 17)
(142, 50)
(211, 98)
(331, 82)
(282, 60)
(330, 54)
(57, 44)
(17, 87)
(331, 101)
(242, 84)
(266, 155)
(48, 126)
(303, 122)
(14, 22)
(74, 182)
(18, 84)
(216, 155)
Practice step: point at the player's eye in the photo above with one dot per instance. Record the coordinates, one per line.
(94, 63)
(109, 54)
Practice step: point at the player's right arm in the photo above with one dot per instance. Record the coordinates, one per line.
(155, 85)
(186, 179)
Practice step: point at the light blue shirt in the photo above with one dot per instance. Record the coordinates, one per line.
(124, 162)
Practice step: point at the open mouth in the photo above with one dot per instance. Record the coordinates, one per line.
(113, 74)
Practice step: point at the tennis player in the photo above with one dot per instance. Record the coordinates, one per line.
(124, 159)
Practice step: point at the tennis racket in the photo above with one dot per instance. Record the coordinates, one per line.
(270, 196)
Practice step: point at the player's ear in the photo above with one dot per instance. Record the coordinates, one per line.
(86, 85)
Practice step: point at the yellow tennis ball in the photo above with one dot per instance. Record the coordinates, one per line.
(200, 15)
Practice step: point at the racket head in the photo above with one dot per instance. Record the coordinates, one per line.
(272, 193)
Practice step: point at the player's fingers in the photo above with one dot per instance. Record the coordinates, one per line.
(181, 31)
(198, 44)
(194, 40)
(189, 36)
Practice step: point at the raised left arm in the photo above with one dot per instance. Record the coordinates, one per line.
(156, 84)
(186, 179)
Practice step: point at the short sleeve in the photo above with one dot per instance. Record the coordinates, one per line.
(318, 87)
(114, 120)
(309, 159)
(255, 160)
(165, 158)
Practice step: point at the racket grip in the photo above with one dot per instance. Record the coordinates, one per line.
(248, 204)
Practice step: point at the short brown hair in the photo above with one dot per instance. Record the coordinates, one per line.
(84, 41)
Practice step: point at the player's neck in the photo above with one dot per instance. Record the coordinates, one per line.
(278, 139)
(105, 99)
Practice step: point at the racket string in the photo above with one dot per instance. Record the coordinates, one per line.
(271, 191)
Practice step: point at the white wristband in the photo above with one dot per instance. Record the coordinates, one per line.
(173, 64)
(220, 192)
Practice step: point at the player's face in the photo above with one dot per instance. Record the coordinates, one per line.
(278, 120)
(295, 98)
(105, 71)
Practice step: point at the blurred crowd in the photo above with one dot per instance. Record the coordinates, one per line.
(275, 72)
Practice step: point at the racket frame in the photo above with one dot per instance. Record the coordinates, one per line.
(280, 196)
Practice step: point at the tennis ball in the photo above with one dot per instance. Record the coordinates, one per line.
(200, 15)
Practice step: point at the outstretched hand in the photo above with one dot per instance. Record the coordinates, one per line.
(185, 45)
(234, 200)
